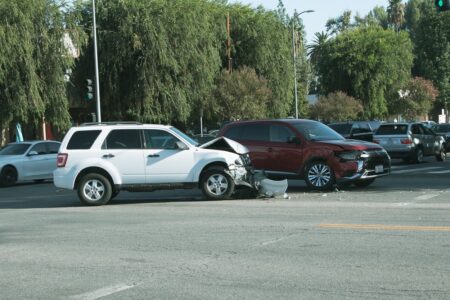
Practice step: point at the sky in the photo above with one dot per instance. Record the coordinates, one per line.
(324, 10)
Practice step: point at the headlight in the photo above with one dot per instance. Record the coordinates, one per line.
(238, 162)
(351, 155)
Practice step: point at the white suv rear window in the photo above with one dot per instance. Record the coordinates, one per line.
(83, 140)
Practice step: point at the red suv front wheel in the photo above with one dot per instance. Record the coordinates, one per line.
(319, 176)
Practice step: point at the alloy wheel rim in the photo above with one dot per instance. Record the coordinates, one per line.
(217, 184)
(94, 190)
(319, 175)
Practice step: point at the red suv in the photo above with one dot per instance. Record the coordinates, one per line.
(309, 150)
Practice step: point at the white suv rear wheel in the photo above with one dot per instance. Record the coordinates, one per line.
(94, 189)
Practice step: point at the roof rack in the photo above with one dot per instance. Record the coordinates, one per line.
(111, 123)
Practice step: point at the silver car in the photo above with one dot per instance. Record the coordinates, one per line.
(22, 161)
(410, 141)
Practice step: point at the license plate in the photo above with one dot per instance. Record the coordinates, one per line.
(379, 169)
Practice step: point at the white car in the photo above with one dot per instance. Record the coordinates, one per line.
(34, 160)
(99, 160)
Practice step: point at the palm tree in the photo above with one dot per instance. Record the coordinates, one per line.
(396, 13)
(315, 49)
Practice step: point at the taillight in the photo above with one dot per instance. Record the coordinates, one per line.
(61, 160)
(406, 141)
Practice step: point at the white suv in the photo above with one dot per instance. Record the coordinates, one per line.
(99, 160)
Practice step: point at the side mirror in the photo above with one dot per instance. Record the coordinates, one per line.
(181, 146)
(294, 140)
(32, 153)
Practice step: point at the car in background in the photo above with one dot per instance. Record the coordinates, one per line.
(410, 141)
(444, 131)
(21, 161)
(429, 124)
(309, 150)
(356, 130)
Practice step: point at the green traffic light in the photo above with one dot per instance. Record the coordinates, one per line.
(441, 3)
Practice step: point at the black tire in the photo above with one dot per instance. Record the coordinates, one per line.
(364, 182)
(319, 176)
(114, 194)
(8, 176)
(245, 193)
(216, 184)
(94, 189)
(442, 154)
(418, 155)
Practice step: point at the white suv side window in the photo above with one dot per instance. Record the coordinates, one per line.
(123, 139)
(159, 139)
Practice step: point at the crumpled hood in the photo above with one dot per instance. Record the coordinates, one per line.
(225, 144)
(353, 144)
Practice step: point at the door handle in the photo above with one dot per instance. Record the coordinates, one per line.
(108, 155)
(153, 155)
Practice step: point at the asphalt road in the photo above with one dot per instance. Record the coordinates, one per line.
(387, 241)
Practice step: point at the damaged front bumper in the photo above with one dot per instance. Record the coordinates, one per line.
(376, 163)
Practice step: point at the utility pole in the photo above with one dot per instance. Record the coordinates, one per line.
(294, 55)
(97, 80)
(230, 66)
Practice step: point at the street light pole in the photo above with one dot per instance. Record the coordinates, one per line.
(295, 58)
(97, 80)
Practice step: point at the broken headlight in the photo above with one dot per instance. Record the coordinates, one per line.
(352, 155)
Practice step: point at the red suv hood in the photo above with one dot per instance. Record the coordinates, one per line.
(353, 144)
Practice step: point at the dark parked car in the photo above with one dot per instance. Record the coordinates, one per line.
(309, 150)
(410, 141)
(444, 131)
(356, 130)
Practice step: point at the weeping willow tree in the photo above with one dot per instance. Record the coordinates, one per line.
(33, 62)
(159, 60)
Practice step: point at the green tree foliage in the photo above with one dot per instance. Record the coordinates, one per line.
(415, 99)
(378, 16)
(159, 59)
(336, 106)
(432, 48)
(262, 42)
(368, 63)
(33, 62)
(396, 14)
(339, 24)
(241, 95)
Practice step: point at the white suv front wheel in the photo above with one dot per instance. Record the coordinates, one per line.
(94, 189)
(217, 184)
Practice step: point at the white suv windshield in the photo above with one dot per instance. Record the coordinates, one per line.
(184, 136)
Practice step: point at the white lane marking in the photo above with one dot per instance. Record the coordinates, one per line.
(402, 204)
(439, 172)
(103, 292)
(415, 170)
(425, 197)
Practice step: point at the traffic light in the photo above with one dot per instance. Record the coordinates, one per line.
(442, 5)
(89, 90)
